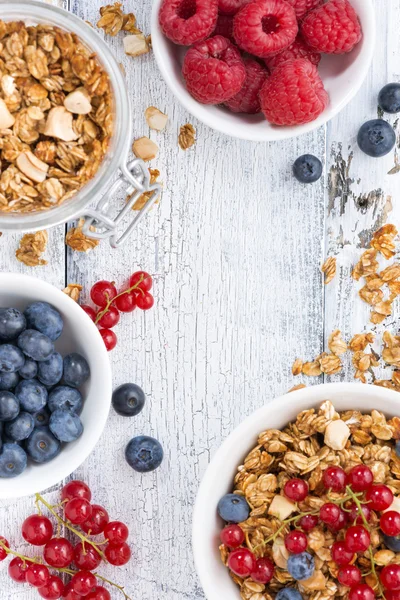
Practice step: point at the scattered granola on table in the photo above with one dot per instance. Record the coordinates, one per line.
(329, 268)
(78, 241)
(73, 290)
(31, 248)
(187, 136)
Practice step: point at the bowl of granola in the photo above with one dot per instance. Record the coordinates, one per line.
(302, 500)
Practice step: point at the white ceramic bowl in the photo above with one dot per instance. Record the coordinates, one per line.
(217, 481)
(79, 335)
(342, 76)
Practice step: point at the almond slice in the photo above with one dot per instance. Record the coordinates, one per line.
(135, 44)
(145, 149)
(155, 118)
(32, 167)
(6, 118)
(59, 124)
(78, 102)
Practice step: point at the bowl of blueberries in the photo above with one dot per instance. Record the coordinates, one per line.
(55, 385)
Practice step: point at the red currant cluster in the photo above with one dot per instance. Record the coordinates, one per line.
(110, 303)
(59, 552)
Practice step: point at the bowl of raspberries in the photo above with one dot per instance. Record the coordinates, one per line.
(263, 70)
(55, 385)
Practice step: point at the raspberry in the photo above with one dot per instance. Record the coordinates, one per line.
(186, 22)
(332, 28)
(299, 49)
(293, 94)
(224, 27)
(303, 6)
(265, 27)
(213, 70)
(231, 7)
(247, 100)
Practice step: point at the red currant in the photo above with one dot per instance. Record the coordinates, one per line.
(53, 589)
(144, 278)
(103, 292)
(390, 577)
(379, 497)
(109, 338)
(360, 478)
(329, 513)
(354, 514)
(357, 539)
(118, 554)
(97, 520)
(340, 554)
(3, 553)
(126, 303)
(37, 575)
(232, 536)
(37, 530)
(264, 571)
(308, 522)
(76, 489)
(296, 542)
(86, 557)
(242, 562)
(78, 510)
(17, 569)
(392, 595)
(116, 532)
(362, 591)
(144, 301)
(69, 594)
(334, 478)
(349, 575)
(91, 313)
(110, 318)
(58, 553)
(296, 490)
(340, 523)
(390, 523)
(99, 593)
(83, 582)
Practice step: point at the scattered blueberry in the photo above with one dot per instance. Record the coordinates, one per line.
(76, 370)
(301, 566)
(66, 398)
(13, 460)
(50, 371)
(233, 508)
(307, 168)
(41, 417)
(11, 358)
(128, 400)
(36, 345)
(12, 323)
(21, 427)
(31, 394)
(65, 425)
(42, 446)
(45, 318)
(9, 406)
(29, 370)
(8, 381)
(144, 453)
(393, 543)
(376, 138)
(389, 98)
(288, 594)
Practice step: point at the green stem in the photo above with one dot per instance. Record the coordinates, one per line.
(286, 522)
(109, 302)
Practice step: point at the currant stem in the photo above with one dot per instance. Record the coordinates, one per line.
(286, 522)
(25, 559)
(109, 302)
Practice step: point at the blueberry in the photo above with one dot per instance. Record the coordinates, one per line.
(11, 358)
(9, 406)
(128, 400)
(393, 543)
(13, 460)
(76, 370)
(31, 394)
(41, 417)
(8, 381)
(376, 138)
(36, 345)
(233, 508)
(29, 370)
(65, 425)
(389, 98)
(288, 594)
(42, 446)
(301, 566)
(50, 371)
(20, 428)
(144, 453)
(8, 440)
(45, 318)
(66, 398)
(12, 323)
(307, 168)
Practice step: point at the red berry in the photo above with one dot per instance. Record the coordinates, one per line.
(299, 49)
(69, 593)
(296, 490)
(118, 554)
(37, 530)
(37, 575)
(296, 542)
(329, 513)
(186, 22)
(361, 591)
(242, 562)
(109, 338)
(334, 478)
(390, 577)
(357, 539)
(82, 582)
(110, 318)
(333, 28)
(3, 553)
(58, 553)
(78, 510)
(355, 516)
(247, 99)
(17, 569)
(116, 532)
(349, 575)
(142, 280)
(102, 292)
(231, 7)
(97, 521)
(86, 557)
(390, 523)
(232, 536)
(379, 497)
(293, 94)
(303, 6)
(76, 489)
(340, 523)
(144, 301)
(340, 554)
(224, 27)
(126, 303)
(308, 522)
(264, 571)
(392, 595)
(98, 593)
(360, 478)
(213, 70)
(91, 313)
(53, 589)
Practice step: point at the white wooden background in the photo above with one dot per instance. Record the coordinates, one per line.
(235, 246)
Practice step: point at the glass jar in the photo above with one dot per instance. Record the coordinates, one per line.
(134, 176)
